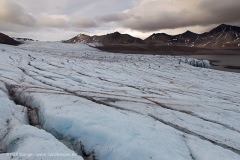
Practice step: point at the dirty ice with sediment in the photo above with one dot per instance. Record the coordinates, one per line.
(72, 101)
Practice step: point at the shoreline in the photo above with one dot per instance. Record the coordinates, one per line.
(165, 50)
(213, 55)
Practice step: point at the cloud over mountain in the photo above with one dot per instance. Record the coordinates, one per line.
(152, 15)
(134, 16)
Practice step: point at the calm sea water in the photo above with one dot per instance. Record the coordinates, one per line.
(219, 62)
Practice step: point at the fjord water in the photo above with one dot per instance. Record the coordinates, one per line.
(221, 62)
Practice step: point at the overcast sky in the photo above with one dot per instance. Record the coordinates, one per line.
(63, 19)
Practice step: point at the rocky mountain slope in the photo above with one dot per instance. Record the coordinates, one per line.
(112, 38)
(220, 38)
(4, 39)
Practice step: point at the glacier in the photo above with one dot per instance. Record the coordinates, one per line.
(73, 101)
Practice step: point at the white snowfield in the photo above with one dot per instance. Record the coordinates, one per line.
(68, 101)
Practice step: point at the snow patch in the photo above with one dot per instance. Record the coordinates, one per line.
(206, 43)
(225, 36)
(219, 36)
(236, 39)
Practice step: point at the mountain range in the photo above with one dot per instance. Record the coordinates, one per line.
(112, 38)
(223, 37)
(221, 40)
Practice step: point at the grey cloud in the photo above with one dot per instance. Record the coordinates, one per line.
(222, 12)
(84, 22)
(155, 15)
(115, 17)
(15, 28)
(15, 14)
(134, 16)
(53, 21)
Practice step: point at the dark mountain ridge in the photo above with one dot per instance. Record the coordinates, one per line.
(4, 39)
(23, 39)
(112, 38)
(222, 37)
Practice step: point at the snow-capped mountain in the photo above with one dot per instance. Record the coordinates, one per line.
(221, 37)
